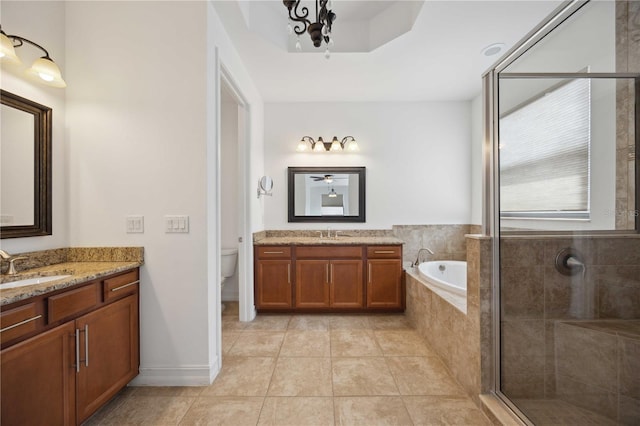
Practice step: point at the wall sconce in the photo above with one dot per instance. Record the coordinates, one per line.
(307, 143)
(43, 68)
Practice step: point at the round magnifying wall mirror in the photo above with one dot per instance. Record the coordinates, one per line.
(265, 185)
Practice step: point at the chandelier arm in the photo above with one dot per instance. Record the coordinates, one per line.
(303, 23)
(21, 40)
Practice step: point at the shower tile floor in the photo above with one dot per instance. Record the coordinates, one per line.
(304, 370)
(558, 412)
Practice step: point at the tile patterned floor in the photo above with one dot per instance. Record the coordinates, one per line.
(305, 370)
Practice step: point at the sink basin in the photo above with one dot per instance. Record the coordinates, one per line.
(31, 281)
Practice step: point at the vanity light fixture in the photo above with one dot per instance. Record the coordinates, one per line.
(307, 143)
(43, 68)
(319, 31)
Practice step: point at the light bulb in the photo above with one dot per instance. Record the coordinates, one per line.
(302, 146)
(298, 45)
(47, 71)
(45, 77)
(7, 50)
(327, 54)
(325, 30)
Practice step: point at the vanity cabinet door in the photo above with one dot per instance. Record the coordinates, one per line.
(384, 283)
(312, 284)
(109, 353)
(38, 378)
(346, 284)
(273, 284)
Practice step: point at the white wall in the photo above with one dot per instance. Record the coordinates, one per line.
(42, 22)
(143, 101)
(477, 160)
(137, 139)
(417, 156)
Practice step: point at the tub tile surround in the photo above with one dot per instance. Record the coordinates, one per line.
(462, 341)
(447, 241)
(588, 359)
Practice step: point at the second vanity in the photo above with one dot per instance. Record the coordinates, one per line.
(70, 344)
(340, 274)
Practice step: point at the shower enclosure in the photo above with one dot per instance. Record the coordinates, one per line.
(562, 127)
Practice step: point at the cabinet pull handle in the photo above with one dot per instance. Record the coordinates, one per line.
(331, 272)
(77, 350)
(384, 251)
(273, 252)
(289, 274)
(327, 268)
(126, 285)
(369, 273)
(86, 345)
(18, 324)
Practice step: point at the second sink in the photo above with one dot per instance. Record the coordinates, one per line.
(31, 281)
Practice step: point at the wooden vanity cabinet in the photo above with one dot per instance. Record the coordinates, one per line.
(80, 359)
(108, 353)
(273, 275)
(384, 277)
(329, 277)
(39, 379)
(343, 278)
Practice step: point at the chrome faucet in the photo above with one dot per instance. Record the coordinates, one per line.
(417, 262)
(12, 267)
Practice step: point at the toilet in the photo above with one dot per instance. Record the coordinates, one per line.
(229, 260)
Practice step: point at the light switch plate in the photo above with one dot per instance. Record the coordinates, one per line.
(135, 224)
(176, 224)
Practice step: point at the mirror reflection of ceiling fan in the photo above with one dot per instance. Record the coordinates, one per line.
(326, 178)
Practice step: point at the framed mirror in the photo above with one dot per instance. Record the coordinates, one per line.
(25, 169)
(326, 194)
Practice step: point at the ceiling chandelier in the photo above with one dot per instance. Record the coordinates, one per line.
(319, 30)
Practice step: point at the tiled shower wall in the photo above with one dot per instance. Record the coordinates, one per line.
(627, 60)
(544, 352)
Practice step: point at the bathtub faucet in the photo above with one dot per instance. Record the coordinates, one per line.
(417, 262)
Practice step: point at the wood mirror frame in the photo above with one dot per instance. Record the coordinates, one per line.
(359, 171)
(42, 193)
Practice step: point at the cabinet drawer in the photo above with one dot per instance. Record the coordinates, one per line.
(384, 252)
(20, 321)
(274, 252)
(329, 252)
(73, 301)
(121, 285)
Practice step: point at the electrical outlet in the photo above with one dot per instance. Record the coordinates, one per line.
(135, 224)
(176, 224)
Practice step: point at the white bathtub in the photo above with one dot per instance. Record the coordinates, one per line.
(450, 275)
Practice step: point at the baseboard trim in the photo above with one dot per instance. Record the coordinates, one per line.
(192, 375)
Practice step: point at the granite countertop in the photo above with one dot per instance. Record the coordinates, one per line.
(341, 240)
(80, 272)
